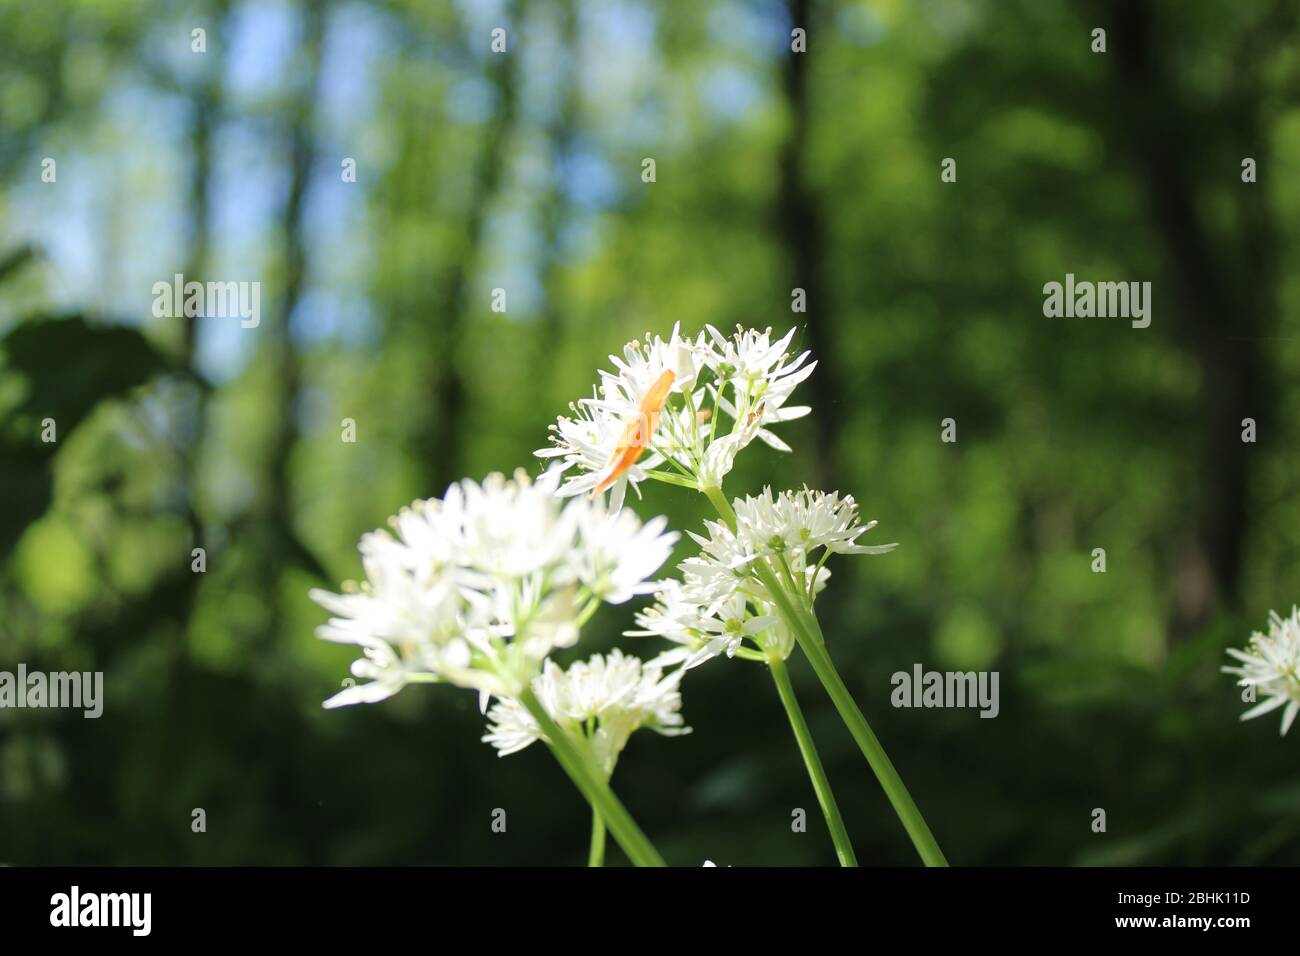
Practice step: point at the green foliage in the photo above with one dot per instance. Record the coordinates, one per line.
(66, 368)
(924, 303)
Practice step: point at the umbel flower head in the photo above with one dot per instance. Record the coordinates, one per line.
(1270, 664)
(476, 589)
(678, 410)
(720, 602)
(604, 699)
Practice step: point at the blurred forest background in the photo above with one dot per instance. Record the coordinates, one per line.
(774, 171)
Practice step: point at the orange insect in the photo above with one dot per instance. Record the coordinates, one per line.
(636, 436)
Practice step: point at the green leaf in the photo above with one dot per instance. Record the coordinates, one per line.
(71, 366)
(67, 367)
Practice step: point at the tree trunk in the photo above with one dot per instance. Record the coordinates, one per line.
(802, 234)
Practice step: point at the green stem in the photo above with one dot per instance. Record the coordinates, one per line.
(803, 624)
(722, 505)
(895, 789)
(816, 773)
(593, 786)
(596, 856)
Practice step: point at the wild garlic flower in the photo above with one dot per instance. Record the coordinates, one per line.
(603, 700)
(659, 414)
(799, 522)
(761, 377)
(795, 530)
(476, 589)
(703, 632)
(720, 602)
(1271, 665)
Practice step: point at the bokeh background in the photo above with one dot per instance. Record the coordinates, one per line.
(522, 171)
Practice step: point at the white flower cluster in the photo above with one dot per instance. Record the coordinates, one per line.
(659, 413)
(720, 602)
(1271, 665)
(604, 699)
(477, 588)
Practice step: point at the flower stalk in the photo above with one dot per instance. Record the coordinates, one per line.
(807, 633)
(591, 783)
(596, 855)
(816, 773)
